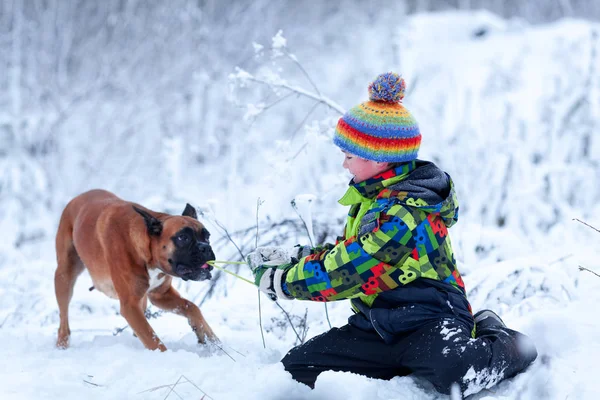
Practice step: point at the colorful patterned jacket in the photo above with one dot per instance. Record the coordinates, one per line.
(395, 260)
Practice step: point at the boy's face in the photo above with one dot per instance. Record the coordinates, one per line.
(363, 169)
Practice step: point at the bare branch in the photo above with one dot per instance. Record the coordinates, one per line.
(320, 98)
(172, 386)
(298, 152)
(295, 207)
(223, 350)
(312, 245)
(327, 315)
(586, 224)
(295, 60)
(287, 315)
(301, 124)
(275, 102)
(92, 383)
(588, 270)
(173, 389)
(563, 258)
(194, 385)
(258, 204)
(229, 237)
(262, 333)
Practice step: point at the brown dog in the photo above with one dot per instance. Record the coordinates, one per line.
(131, 254)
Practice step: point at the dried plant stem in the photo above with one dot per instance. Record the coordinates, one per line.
(287, 315)
(92, 383)
(312, 245)
(172, 387)
(586, 224)
(589, 270)
(298, 90)
(262, 332)
(299, 65)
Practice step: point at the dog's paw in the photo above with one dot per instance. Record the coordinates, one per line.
(62, 343)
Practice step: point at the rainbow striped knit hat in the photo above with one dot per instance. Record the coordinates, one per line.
(380, 129)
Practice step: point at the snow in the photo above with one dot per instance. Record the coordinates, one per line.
(512, 116)
(564, 332)
(448, 332)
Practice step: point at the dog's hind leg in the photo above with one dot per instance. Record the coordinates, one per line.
(169, 299)
(69, 268)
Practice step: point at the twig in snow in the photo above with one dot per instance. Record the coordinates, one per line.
(586, 224)
(172, 386)
(147, 314)
(589, 270)
(287, 315)
(173, 389)
(117, 331)
(235, 351)
(563, 258)
(92, 383)
(194, 385)
(223, 350)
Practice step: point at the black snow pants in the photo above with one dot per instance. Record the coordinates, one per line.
(442, 352)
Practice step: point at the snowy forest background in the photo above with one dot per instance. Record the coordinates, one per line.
(230, 106)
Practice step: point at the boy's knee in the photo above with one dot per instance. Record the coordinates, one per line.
(287, 361)
(456, 365)
(300, 371)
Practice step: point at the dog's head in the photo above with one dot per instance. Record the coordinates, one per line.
(180, 244)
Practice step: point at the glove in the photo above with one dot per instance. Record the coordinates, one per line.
(269, 265)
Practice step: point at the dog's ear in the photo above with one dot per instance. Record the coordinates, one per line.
(152, 223)
(190, 211)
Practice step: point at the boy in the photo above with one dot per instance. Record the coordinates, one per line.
(396, 265)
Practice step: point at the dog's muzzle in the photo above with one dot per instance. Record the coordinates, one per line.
(197, 268)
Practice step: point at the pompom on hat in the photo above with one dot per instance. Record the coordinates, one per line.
(380, 129)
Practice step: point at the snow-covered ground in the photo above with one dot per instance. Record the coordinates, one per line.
(554, 303)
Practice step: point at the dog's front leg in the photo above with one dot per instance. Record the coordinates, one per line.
(131, 310)
(169, 299)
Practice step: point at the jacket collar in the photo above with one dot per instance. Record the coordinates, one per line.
(370, 188)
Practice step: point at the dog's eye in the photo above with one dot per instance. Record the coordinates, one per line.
(182, 239)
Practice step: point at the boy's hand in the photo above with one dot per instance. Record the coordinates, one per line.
(269, 264)
(268, 256)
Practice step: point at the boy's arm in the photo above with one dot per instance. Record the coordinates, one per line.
(375, 262)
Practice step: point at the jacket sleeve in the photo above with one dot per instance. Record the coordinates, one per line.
(379, 260)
